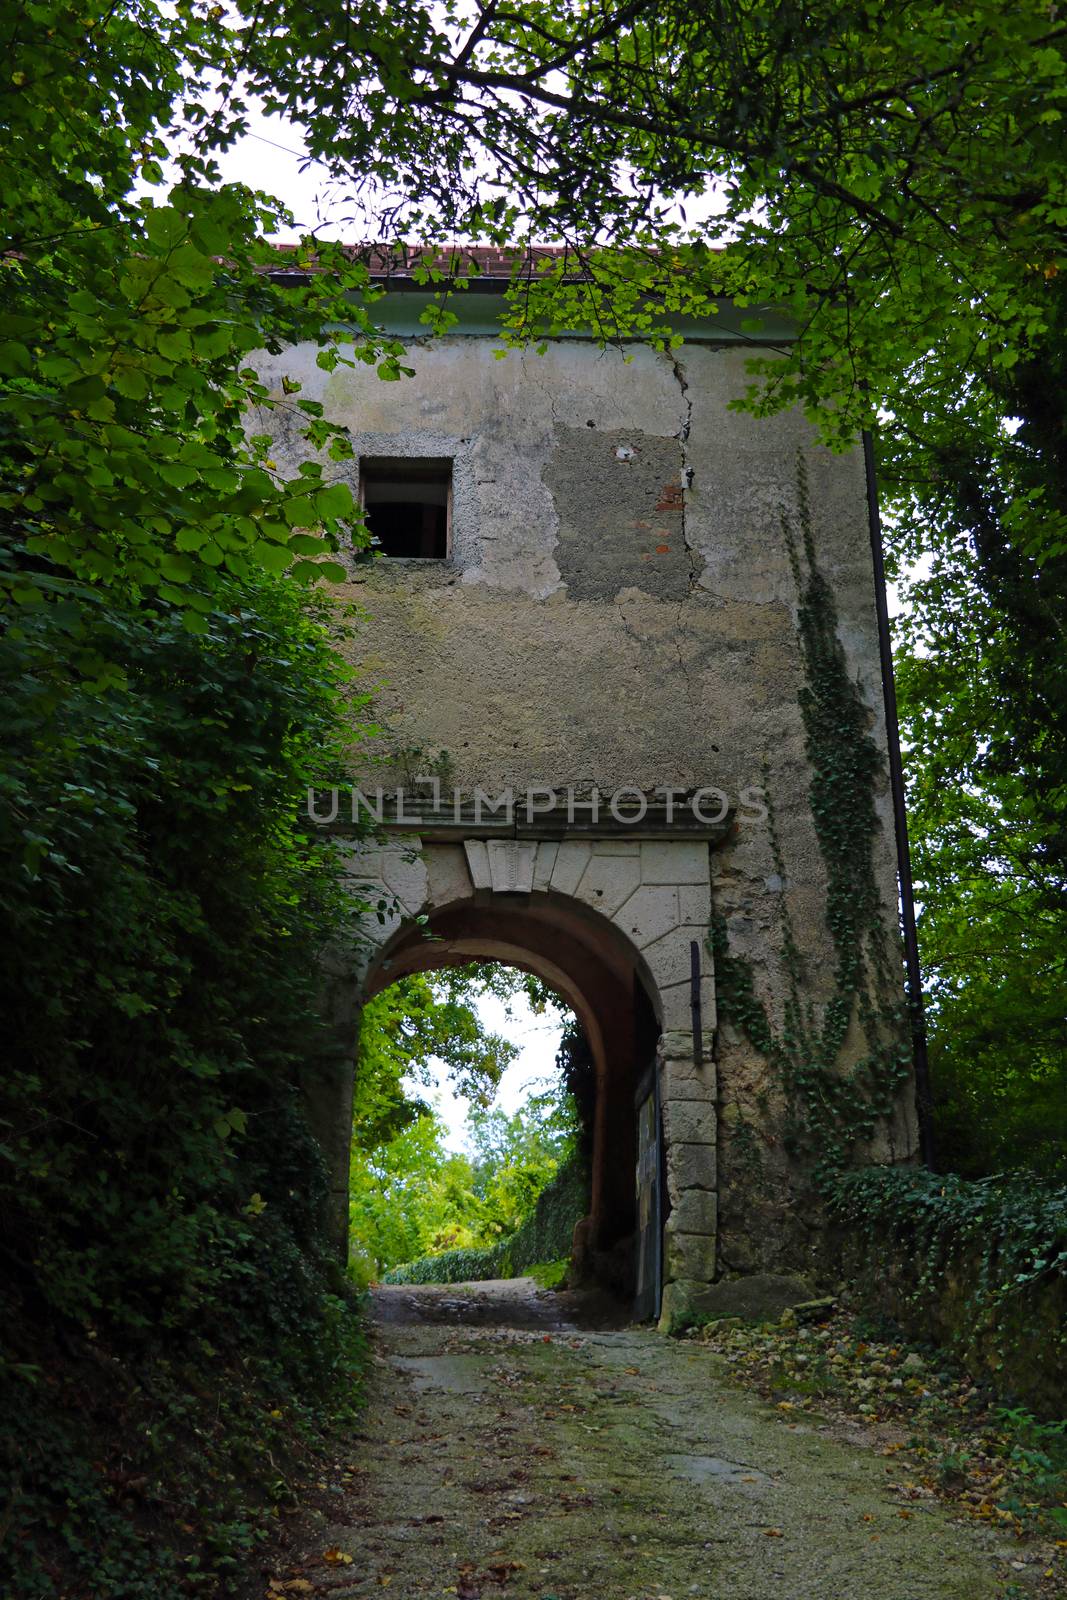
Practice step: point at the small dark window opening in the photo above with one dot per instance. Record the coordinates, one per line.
(408, 506)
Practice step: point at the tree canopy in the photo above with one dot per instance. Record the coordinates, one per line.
(409, 1195)
(890, 172)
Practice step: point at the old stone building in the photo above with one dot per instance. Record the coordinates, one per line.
(584, 602)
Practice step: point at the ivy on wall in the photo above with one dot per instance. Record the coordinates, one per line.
(978, 1266)
(545, 1236)
(835, 1105)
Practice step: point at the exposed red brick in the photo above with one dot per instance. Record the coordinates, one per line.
(670, 498)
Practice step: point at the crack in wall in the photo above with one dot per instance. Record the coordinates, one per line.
(682, 436)
(683, 384)
(545, 388)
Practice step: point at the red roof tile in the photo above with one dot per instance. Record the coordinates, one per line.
(401, 261)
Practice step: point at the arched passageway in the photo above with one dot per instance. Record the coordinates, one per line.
(618, 928)
(602, 977)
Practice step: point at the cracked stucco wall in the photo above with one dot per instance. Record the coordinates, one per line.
(619, 609)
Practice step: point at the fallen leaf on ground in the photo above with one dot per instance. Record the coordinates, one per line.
(500, 1571)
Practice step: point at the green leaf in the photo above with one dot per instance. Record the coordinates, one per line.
(272, 557)
(178, 568)
(15, 358)
(334, 501)
(131, 382)
(306, 544)
(165, 227)
(189, 538)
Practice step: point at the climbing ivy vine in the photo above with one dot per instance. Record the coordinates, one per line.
(999, 1245)
(834, 1105)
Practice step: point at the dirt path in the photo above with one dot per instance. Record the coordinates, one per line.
(511, 1453)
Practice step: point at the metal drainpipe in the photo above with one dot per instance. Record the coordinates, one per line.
(923, 1097)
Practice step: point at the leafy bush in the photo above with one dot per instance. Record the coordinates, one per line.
(162, 911)
(407, 1194)
(544, 1237)
(456, 1266)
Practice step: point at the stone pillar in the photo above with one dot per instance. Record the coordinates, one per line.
(687, 1097)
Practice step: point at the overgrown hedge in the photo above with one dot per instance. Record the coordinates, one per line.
(978, 1267)
(171, 1324)
(544, 1236)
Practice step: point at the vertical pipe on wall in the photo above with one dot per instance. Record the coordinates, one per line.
(923, 1098)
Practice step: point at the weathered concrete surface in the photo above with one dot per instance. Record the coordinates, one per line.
(505, 1453)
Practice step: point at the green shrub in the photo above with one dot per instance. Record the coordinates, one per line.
(544, 1237)
(168, 1308)
(550, 1274)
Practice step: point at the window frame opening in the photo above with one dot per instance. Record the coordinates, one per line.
(422, 473)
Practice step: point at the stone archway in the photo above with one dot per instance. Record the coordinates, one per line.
(609, 923)
(595, 971)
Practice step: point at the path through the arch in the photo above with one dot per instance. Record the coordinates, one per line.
(517, 1446)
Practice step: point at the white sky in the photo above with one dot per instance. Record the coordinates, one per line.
(539, 1040)
(269, 157)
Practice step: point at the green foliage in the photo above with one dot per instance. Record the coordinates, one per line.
(550, 1274)
(168, 1309)
(574, 1063)
(547, 1233)
(1019, 1224)
(836, 1104)
(408, 1194)
(890, 173)
(129, 322)
(1039, 1456)
(545, 1237)
(993, 1253)
(983, 691)
(162, 910)
(462, 1265)
(516, 1156)
(414, 1021)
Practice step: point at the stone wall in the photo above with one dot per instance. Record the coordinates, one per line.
(1014, 1344)
(594, 918)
